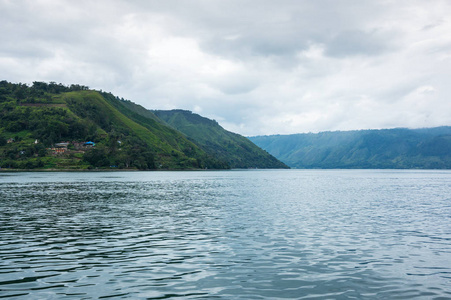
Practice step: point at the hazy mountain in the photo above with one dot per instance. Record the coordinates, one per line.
(428, 148)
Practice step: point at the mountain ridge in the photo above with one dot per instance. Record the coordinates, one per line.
(398, 148)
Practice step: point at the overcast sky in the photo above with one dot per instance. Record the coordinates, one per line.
(257, 67)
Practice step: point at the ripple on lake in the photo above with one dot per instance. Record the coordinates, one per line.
(230, 235)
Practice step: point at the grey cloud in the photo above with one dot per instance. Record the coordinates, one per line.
(237, 87)
(277, 45)
(236, 82)
(243, 31)
(357, 42)
(260, 28)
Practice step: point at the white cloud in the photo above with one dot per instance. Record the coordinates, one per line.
(258, 67)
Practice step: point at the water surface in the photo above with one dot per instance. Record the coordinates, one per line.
(260, 234)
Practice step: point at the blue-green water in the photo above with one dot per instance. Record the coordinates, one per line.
(275, 234)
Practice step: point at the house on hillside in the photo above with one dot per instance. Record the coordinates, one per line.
(62, 145)
(78, 145)
(83, 145)
(89, 144)
(59, 148)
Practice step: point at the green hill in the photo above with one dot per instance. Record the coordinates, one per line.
(236, 150)
(428, 148)
(52, 126)
(46, 126)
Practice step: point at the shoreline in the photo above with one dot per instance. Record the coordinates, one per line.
(101, 170)
(197, 170)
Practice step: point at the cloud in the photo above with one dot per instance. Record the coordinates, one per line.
(258, 67)
(356, 42)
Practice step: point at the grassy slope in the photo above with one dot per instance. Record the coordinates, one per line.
(172, 137)
(116, 117)
(171, 147)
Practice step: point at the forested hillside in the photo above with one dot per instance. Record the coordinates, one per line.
(428, 148)
(237, 150)
(52, 126)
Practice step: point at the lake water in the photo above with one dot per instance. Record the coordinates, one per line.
(257, 234)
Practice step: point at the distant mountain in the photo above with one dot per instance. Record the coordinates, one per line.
(52, 126)
(233, 148)
(400, 148)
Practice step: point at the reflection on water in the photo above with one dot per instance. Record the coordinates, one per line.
(227, 235)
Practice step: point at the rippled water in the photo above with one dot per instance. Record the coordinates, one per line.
(287, 234)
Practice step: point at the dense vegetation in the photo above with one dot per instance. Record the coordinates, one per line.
(237, 150)
(49, 125)
(428, 148)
